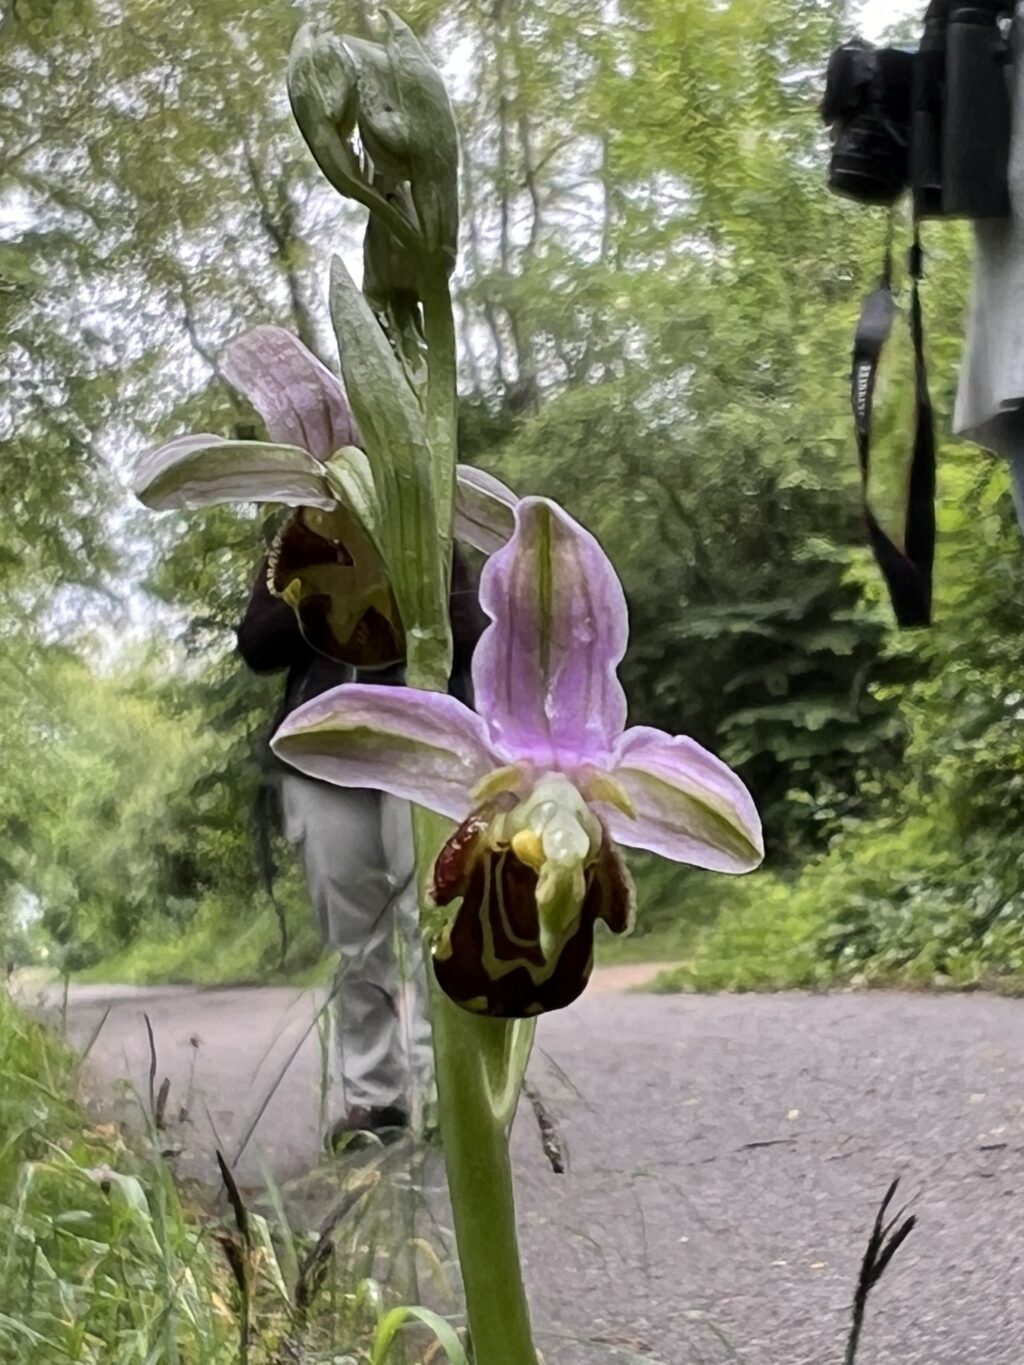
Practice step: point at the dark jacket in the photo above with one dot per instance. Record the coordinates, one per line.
(269, 640)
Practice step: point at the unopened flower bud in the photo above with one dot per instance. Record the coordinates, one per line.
(323, 88)
(433, 141)
(390, 274)
(395, 96)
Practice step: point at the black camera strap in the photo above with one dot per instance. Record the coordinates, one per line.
(907, 569)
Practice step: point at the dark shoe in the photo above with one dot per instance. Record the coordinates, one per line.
(386, 1125)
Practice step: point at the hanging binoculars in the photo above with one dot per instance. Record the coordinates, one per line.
(935, 120)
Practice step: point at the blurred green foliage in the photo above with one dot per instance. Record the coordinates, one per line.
(924, 887)
(656, 302)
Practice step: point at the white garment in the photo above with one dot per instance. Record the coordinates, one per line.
(990, 398)
(357, 851)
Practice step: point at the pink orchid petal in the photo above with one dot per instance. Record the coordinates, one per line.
(299, 400)
(690, 806)
(423, 746)
(484, 510)
(203, 470)
(544, 671)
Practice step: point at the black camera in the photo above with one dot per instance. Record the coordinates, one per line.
(869, 102)
(936, 119)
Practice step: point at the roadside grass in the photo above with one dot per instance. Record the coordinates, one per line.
(106, 1260)
(758, 936)
(890, 904)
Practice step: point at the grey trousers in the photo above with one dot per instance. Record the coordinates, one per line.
(990, 396)
(357, 852)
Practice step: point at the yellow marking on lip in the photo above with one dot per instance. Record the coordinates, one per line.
(527, 847)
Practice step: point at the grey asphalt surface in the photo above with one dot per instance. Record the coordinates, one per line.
(726, 1159)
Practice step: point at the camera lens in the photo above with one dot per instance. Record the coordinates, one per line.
(868, 103)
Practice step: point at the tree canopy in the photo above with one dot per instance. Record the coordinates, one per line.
(656, 296)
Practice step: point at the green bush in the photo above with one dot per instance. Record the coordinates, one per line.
(222, 946)
(895, 901)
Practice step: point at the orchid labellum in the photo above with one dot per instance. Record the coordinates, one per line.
(544, 779)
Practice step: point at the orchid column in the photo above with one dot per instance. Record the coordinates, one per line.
(397, 347)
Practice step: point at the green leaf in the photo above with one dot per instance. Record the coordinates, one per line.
(387, 410)
(392, 1323)
(392, 425)
(350, 476)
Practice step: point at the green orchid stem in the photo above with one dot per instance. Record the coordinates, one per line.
(480, 1064)
(472, 1054)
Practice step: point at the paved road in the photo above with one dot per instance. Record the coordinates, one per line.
(678, 1228)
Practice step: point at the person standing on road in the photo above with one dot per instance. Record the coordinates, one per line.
(356, 850)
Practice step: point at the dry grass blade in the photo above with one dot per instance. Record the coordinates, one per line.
(286, 1067)
(315, 1264)
(228, 1243)
(311, 1277)
(234, 1199)
(886, 1239)
(152, 1067)
(550, 1139)
(160, 1113)
(238, 1252)
(84, 1054)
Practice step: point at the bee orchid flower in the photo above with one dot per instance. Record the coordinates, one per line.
(544, 780)
(327, 561)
